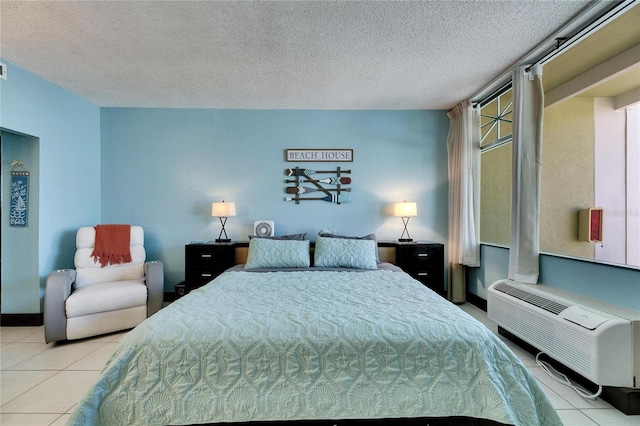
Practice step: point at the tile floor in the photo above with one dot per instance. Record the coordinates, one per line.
(40, 383)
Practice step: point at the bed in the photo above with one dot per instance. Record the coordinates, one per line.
(328, 343)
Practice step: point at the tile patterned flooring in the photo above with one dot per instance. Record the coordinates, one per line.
(40, 383)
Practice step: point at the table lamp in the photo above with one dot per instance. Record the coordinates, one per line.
(223, 211)
(405, 210)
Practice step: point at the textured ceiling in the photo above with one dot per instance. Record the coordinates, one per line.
(275, 55)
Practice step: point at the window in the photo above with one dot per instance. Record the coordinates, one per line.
(495, 120)
(588, 145)
(590, 149)
(495, 166)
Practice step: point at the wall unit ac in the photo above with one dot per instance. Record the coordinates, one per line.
(595, 344)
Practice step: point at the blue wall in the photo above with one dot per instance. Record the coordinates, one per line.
(613, 284)
(162, 168)
(68, 129)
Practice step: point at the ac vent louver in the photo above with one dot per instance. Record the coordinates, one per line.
(532, 299)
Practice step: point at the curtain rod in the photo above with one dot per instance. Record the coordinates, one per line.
(585, 21)
(564, 43)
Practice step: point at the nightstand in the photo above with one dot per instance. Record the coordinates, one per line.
(204, 262)
(424, 261)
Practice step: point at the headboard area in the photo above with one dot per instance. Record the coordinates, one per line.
(423, 260)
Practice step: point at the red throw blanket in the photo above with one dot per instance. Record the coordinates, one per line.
(112, 244)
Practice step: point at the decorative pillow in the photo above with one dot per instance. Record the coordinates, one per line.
(298, 237)
(366, 237)
(269, 253)
(346, 253)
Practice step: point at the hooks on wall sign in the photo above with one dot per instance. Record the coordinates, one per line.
(19, 203)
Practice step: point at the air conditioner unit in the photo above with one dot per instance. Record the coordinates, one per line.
(595, 344)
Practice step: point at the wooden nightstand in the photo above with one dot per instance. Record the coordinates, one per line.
(424, 261)
(204, 262)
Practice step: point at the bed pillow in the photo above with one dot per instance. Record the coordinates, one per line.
(299, 237)
(345, 253)
(269, 253)
(366, 237)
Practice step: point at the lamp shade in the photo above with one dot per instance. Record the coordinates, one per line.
(223, 209)
(405, 209)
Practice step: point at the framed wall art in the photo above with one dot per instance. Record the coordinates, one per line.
(19, 203)
(319, 185)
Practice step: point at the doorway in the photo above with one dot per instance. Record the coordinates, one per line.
(19, 252)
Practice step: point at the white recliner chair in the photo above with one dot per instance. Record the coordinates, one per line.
(93, 300)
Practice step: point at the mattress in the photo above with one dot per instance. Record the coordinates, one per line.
(310, 345)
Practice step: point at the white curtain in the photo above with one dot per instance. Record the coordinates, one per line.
(528, 108)
(463, 149)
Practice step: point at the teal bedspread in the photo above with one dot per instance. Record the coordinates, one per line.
(311, 345)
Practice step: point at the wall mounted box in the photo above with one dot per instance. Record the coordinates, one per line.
(590, 224)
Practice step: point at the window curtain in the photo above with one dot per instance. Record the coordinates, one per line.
(528, 108)
(463, 152)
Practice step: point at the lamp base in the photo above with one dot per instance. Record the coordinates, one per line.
(223, 240)
(405, 240)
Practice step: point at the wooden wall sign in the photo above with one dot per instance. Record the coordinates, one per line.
(324, 185)
(319, 155)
